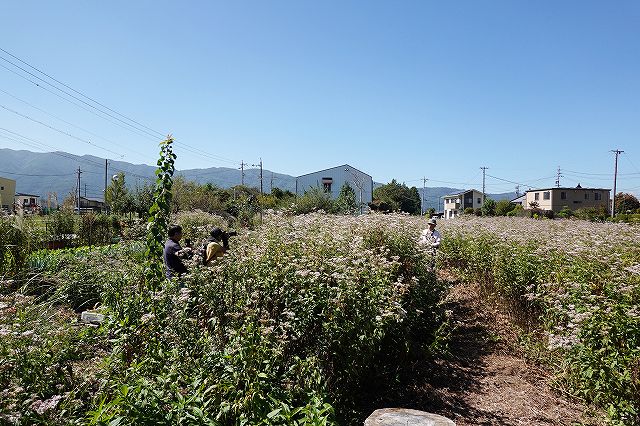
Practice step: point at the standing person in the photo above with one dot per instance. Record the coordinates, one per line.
(430, 238)
(172, 261)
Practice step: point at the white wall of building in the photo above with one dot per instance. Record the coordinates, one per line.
(336, 177)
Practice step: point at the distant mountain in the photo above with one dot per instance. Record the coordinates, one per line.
(43, 173)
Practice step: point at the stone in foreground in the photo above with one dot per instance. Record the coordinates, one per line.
(91, 317)
(404, 417)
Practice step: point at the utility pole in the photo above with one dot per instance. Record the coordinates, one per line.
(424, 190)
(242, 164)
(259, 165)
(558, 176)
(517, 191)
(483, 173)
(78, 193)
(615, 181)
(255, 165)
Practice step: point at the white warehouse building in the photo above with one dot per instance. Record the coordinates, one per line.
(331, 180)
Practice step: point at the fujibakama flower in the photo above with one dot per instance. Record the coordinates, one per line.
(42, 407)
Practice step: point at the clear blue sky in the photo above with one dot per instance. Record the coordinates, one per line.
(398, 89)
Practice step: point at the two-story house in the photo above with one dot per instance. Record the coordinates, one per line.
(574, 198)
(454, 204)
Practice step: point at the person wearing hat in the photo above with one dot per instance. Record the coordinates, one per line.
(430, 237)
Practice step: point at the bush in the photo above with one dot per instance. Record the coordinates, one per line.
(565, 213)
(13, 247)
(503, 207)
(594, 214)
(477, 211)
(61, 225)
(488, 207)
(518, 210)
(468, 210)
(315, 199)
(298, 323)
(96, 229)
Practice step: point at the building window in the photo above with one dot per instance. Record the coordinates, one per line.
(597, 196)
(326, 184)
(563, 195)
(1, 188)
(537, 196)
(479, 202)
(586, 195)
(546, 195)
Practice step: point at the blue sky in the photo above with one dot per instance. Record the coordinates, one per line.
(398, 89)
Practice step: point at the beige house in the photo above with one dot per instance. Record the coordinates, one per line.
(574, 198)
(454, 204)
(27, 203)
(7, 192)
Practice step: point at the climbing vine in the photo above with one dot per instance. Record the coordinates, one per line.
(159, 211)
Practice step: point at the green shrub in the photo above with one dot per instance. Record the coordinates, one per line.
(503, 207)
(565, 213)
(488, 207)
(468, 210)
(315, 199)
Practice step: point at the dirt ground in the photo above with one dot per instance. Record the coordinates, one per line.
(487, 380)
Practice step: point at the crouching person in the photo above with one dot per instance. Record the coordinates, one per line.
(217, 244)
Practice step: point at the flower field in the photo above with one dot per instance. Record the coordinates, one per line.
(307, 318)
(576, 286)
(299, 323)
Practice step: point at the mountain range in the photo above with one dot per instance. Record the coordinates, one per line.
(56, 172)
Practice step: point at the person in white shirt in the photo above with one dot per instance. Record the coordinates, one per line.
(430, 238)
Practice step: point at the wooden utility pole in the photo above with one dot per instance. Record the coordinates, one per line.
(483, 173)
(424, 189)
(242, 164)
(78, 192)
(615, 181)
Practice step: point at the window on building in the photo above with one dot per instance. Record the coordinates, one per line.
(586, 195)
(326, 186)
(479, 200)
(546, 195)
(1, 188)
(537, 196)
(563, 195)
(597, 196)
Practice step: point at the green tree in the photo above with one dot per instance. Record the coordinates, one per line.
(399, 197)
(346, 202)
(488, 207)
(143, 200)
(503, 207)
(626, 202)
(118, 197)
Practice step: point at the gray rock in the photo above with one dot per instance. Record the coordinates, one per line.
(91, 317)
(405, 417)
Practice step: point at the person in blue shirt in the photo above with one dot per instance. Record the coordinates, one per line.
(172, 262)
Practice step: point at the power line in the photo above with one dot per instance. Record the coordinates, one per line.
(60, 131)
(69, 123)
(140, 128)
(80, 93)
(26, 174)
(62, 154)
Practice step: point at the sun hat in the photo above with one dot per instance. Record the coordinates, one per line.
(431, 222)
